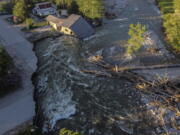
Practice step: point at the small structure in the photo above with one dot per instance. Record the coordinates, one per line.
(44, 9)
(74, 25)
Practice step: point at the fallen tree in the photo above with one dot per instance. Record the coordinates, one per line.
(166, 93)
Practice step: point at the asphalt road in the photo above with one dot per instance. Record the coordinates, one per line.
(18, 107)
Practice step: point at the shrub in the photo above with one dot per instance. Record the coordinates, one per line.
(20, 10)
(29, 23)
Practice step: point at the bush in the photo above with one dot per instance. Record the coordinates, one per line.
(20, 11)
(29, 23)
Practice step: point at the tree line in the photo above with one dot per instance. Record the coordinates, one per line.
(171, 24)
(90, 9)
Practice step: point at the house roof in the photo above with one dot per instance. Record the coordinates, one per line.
(79, 26)
(74, 22)
(54, 19)
(71, 20)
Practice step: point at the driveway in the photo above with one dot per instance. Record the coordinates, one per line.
(18, 107)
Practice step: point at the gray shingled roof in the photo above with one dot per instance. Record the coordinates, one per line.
(76, 23)
(79, 26)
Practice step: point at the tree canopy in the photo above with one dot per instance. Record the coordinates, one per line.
(20, 10)
(177, 5)
(171, 23)
(172, 26)
(92, 9)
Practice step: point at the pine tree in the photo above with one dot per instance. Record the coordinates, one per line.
(136, 33)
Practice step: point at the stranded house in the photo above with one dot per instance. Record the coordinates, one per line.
(74, 25)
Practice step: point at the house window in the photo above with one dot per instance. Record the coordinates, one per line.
(66, 30)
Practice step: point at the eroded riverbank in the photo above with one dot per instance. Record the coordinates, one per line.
(68, 98)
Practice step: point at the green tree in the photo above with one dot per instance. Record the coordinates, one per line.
(177, 5)
(20, 10)
(172, 30)
(92, 9)
(136, 33)
(29, 23)
(4, 61)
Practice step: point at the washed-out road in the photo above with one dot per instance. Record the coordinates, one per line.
(17, 107)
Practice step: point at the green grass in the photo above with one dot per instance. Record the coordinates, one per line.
(39, 24)
(35, 25)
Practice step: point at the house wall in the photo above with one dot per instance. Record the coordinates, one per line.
(53, 25)
(67, 31)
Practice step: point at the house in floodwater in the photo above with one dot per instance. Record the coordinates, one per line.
(74, 25)
(44, 9)
(55, 22)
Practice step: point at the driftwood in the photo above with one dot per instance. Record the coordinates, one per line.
(122, 69)
(100, 62)
(165, 93)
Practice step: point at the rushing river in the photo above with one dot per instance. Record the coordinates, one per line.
(67, 97)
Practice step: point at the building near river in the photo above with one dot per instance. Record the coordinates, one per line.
(55, 22)
(74, 25)
(44, 9)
